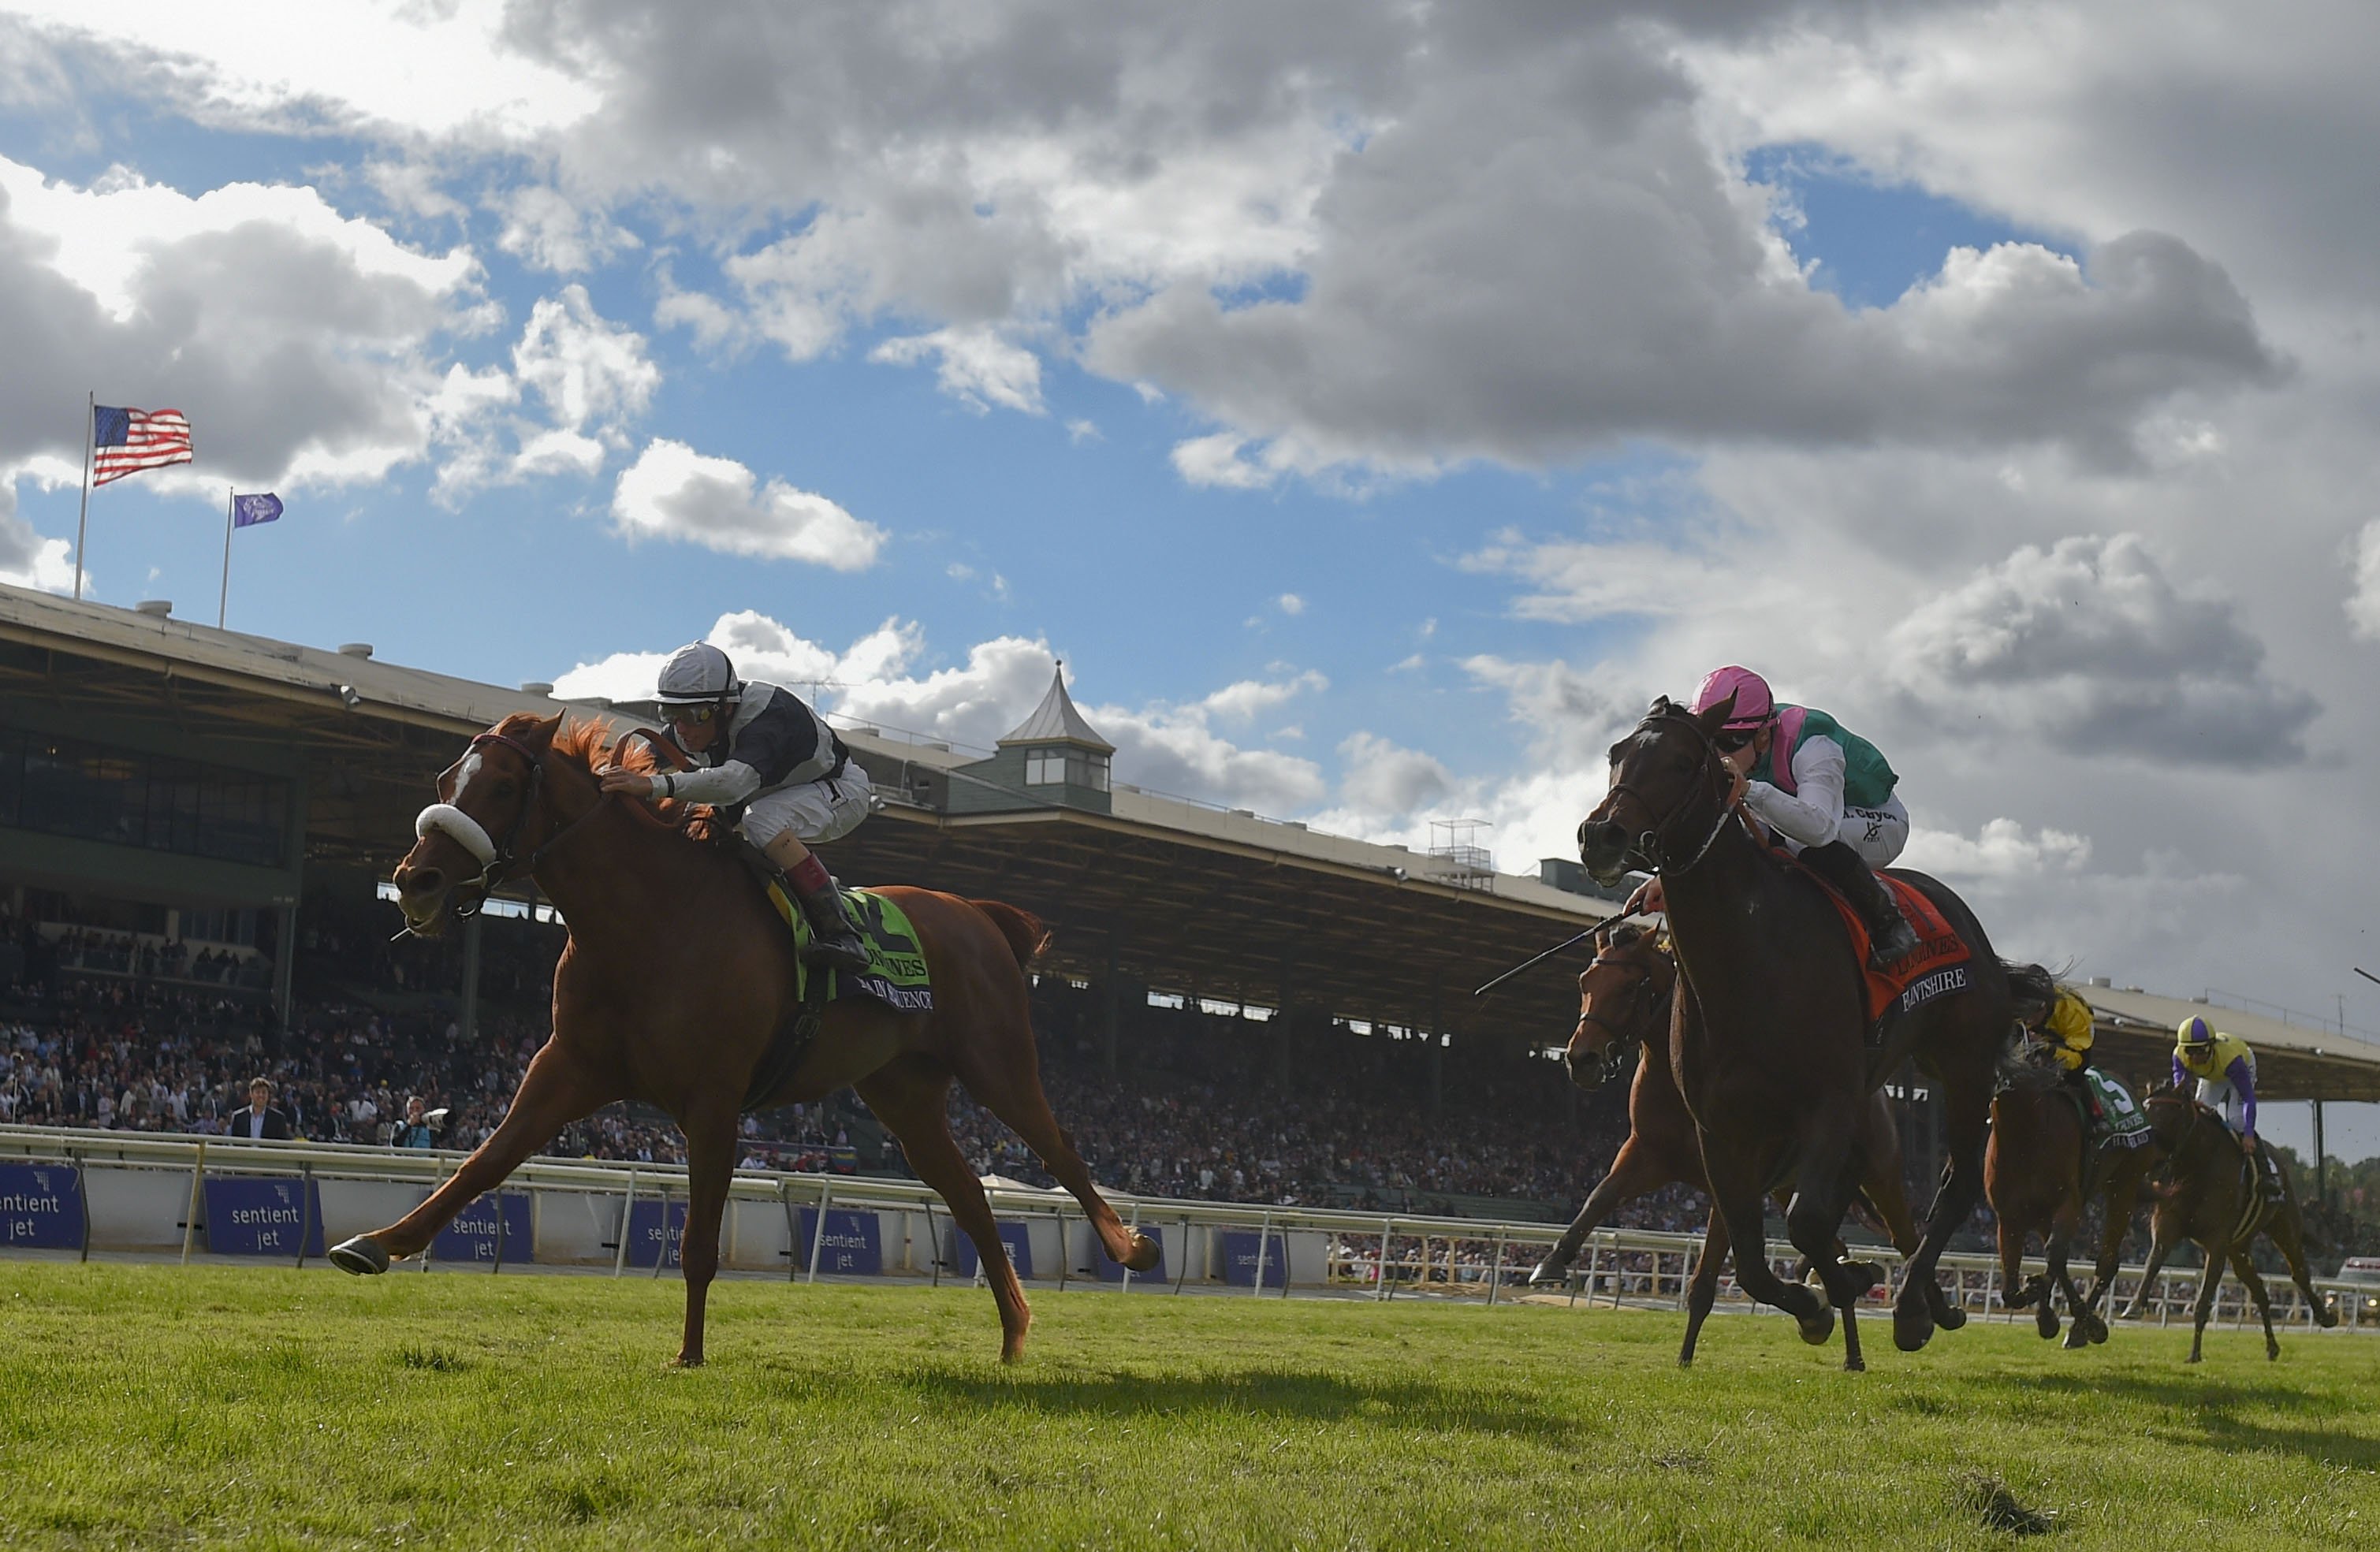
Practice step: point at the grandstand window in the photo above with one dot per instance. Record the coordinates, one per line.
(91, 792)
(1074, 768)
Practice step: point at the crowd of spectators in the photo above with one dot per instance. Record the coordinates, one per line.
(1201, 1104)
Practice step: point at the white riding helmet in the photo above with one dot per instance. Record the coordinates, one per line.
(695, 673)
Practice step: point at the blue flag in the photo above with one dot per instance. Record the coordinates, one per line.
(249, 511)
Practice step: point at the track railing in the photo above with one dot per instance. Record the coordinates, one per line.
(146, 1192)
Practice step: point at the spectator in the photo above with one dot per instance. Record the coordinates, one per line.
(260, 1118)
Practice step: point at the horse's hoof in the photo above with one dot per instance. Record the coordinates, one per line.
(1854, 1366)
(1951, 1317)
(2272, 1352)
(2192, 1359)
(683, 1362)
(2074, 1339)
(362, 1255)
(1818, 1330)
(1913, 1327)
(1867, 1274)
(2098, 1331)
(1145, 1253)
(1548, 1270)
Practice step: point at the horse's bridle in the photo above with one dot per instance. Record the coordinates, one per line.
(1616, 1050)
(1649, 849)
(499, 861)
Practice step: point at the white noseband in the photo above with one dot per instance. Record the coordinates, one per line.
(457, 826)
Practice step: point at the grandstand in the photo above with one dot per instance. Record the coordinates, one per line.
(193, 786)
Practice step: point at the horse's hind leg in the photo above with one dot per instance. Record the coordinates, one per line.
(2159, 1248)
(1004, 1073)
(1829, 1166)
(2284, 1233)
(1735, 1193)
(910, 1097)
(553, 1093)
(1966, 1105)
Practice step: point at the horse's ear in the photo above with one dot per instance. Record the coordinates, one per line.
(1716, 718)
(545, 730)
(1662, 706)
(1624, 935)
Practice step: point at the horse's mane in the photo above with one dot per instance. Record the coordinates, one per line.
(589, 745)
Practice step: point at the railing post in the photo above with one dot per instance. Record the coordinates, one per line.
(1594, 1255)
(190, 1218)
(1496, 1269)
(818, 1231)
(1264, 1240)
(793, 1225)
(305, 1208)
(1381, 1283)
(627, 1217)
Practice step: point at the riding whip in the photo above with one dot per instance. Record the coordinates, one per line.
(1539, 959)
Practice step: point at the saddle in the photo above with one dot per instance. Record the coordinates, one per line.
(896, 975)
(1939, 968)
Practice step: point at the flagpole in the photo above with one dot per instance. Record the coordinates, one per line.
(89, 415)
(231, 500)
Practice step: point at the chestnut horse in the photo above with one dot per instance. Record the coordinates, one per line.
(1769, 1030)
(1624, 1001)
(2038, 1177)
(672, 988)
(2210, 1204)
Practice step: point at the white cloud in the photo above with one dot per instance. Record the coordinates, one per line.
(548, 230)
(1388, 780)
(301, 340)
(2003, 849)
(2364, 603)
(2090, 644)
(978, 367)
(1245, 699)
(590, 371)
(1291, 604)
(1215, 460)
(671, 491)
(27, 560)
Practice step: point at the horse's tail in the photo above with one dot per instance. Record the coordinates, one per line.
(1026, 934)
(2030, 988)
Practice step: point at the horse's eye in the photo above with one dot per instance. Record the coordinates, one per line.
(505, 787)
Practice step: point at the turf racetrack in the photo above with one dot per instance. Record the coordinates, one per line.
(157, 1405)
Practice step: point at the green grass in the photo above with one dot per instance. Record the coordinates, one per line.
(155, 1406)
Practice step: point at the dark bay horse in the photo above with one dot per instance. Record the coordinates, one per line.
(1770, 1023)
(1624, 999)
(671, 989)
(2208, 1203)
(2039, 1177)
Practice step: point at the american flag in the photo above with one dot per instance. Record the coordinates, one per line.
(128, 441)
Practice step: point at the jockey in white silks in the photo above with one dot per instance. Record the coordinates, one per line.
(762, 748)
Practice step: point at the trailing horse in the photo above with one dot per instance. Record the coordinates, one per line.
(2214, 1203)
(2039, 1173)
(673, 987)
(1769, 1030)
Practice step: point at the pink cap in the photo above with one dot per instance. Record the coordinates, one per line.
(1752, 703)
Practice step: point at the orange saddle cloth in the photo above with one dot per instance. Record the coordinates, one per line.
(1937, 968)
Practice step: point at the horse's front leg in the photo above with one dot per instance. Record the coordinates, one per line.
(1966, 1107)
(710, 1170)
(1634, 1172)
(555, 1091)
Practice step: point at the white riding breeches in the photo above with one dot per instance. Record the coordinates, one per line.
(816, 812)
(1877, 834)
(2220, 1093)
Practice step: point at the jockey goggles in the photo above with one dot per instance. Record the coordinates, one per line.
(1731, 741)
(692, 716)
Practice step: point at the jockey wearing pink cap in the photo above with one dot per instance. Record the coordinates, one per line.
(1823, 790)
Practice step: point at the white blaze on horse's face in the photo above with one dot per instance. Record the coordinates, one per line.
(424, 907)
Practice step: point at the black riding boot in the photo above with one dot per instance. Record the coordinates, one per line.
(1890, 938)
(834, 941)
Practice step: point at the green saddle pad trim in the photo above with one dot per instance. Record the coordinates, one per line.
(896, 970)
(2124, 1115)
